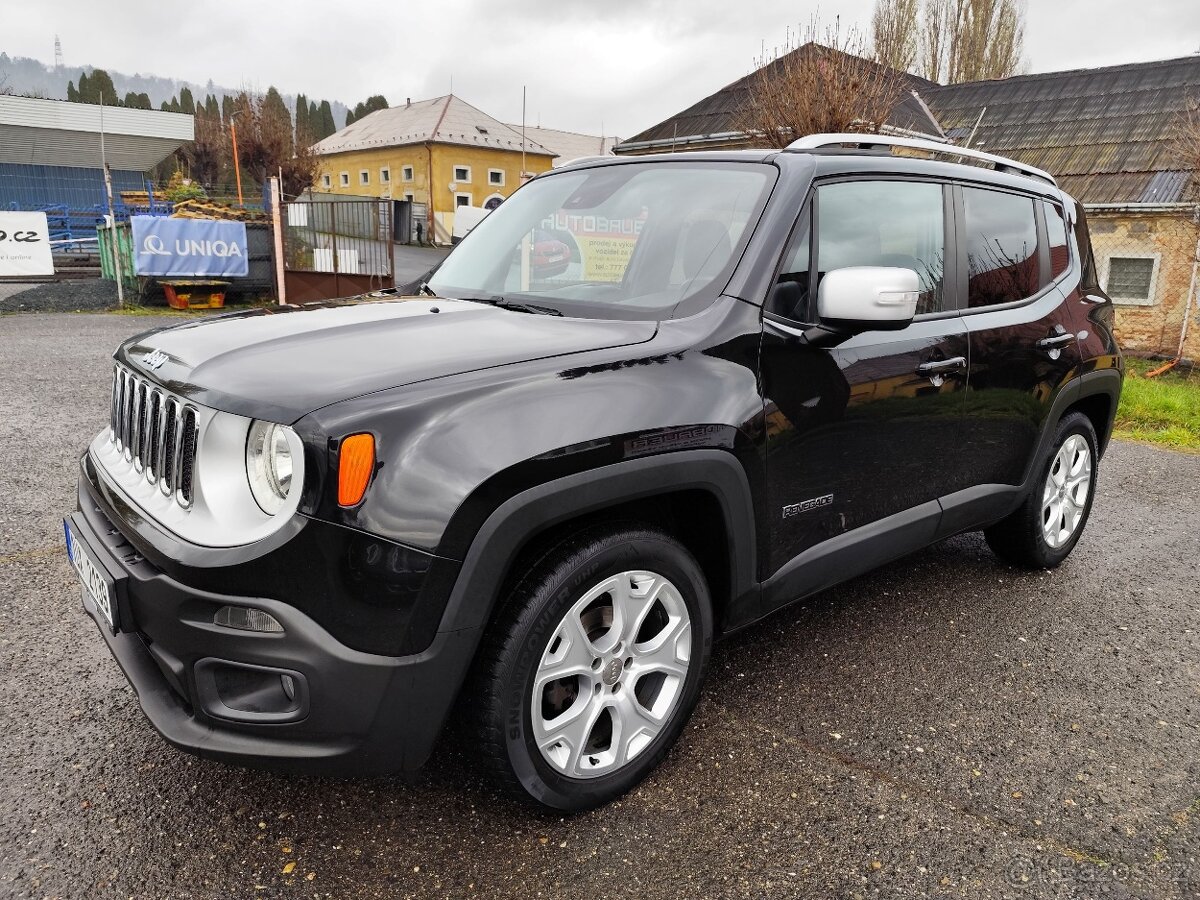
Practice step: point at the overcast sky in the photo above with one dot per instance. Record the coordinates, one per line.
(618, 64)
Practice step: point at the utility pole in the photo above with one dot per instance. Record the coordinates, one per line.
(277, 231)
(522, 178)
(237, 168)
(112, 217)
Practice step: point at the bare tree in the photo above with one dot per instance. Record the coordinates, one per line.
(971, 40)
(896, 32)
(1185, 145)
(266, 143)
(819, 87)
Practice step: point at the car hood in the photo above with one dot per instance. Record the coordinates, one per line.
(281, 363)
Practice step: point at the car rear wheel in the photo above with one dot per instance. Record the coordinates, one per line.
(593, 667)
(1045, 528)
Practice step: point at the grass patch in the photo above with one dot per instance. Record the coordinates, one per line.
(168, 312)
(1163, 410)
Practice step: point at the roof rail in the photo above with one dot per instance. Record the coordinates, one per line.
(871, 141)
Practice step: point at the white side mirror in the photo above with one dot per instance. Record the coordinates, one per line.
(866, 298)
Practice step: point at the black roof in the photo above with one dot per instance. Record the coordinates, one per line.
(718, 114)
(1105, 134)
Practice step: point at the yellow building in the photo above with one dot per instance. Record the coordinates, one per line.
(443, 153)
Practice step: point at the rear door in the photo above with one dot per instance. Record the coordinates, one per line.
(1024, 349)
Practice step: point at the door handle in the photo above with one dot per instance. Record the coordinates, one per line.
(1055, 341)
(942, 366)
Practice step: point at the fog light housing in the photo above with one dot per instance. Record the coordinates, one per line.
(247, 618)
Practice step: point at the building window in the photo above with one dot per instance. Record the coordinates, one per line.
(496, 177)
(409, 197)
(406, 173)
(462, 200)
(344, 178)
(463, 174)
(327, 181)
(385, 175)
(1131, 279)
(364, 177)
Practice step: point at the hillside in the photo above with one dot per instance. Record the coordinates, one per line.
(24, 75)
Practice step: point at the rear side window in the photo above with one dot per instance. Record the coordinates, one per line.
(885, 223)
(1088, 278)
(1002, 252)
(1056, 237)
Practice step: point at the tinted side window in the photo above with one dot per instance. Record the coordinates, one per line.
(885, 223)
(1002, 259)
(1088, 278)
(790, 296)
(1056, 237)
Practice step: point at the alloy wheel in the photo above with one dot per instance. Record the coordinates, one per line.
(1065, 494)
(612, 674)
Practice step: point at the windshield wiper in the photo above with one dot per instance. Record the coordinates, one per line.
(504, 303)
(424, 288)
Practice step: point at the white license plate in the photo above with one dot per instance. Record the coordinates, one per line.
(94, 583)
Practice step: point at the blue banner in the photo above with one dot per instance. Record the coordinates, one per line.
(189, 248)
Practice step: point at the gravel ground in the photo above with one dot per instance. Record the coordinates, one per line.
(59, 296)
(944, 727)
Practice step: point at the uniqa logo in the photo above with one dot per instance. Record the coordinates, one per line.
(153, 245)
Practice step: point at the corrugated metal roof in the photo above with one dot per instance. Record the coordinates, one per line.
(718, 114)
(1106, 134)
(569, 145)
(1165, 187)
(442, 120)
(58, 133)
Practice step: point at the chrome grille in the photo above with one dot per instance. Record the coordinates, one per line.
(156, 431)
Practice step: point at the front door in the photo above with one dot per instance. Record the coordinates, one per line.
(862, 438)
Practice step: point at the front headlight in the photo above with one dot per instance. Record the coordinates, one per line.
(269, 465)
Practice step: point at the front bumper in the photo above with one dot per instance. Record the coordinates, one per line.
(356, 712)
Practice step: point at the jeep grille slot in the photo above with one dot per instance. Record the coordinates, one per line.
(187, 456)
(156, 431)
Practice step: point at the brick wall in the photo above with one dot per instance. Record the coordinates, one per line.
(1145, 262)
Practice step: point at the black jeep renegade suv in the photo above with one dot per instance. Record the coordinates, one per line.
(537, 492)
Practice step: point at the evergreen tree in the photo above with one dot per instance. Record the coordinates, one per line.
(72, 93)
(277, 121)
(211, 107)
(303, 131)
(99, 88)
(227, 107)
(350, 117)
(187, 103)
(326, 114)
(83, 94)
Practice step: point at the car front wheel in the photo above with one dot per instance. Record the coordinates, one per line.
(593, 667)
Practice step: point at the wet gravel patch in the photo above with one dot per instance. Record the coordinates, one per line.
(59, 296)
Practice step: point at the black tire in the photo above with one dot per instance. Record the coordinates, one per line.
(1019, 538)
(500, 696)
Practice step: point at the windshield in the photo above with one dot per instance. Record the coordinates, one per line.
(623, 241)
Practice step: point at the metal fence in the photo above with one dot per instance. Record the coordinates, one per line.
(1146, 262)
(337, 247)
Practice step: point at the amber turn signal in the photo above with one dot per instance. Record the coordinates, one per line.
(356, 460)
